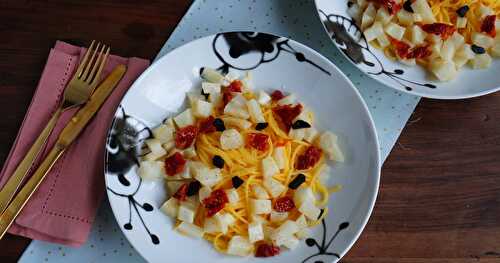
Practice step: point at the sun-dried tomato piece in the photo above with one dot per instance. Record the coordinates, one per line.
(207, 125)
(174, 164)
(440, 29)
(287, 114)
(391, 5)
(258, 141)
(184, 137)
(181, 193)
(215, 202)
(277, 95)
(266, 250)
(488, 25)
(309, 158)
(402, 48)
(235, 86)
(419, 52)
(284, 204)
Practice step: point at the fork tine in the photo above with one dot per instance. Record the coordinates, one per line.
(84, 60)
(90, 63)
(90, 78)
(101, 66)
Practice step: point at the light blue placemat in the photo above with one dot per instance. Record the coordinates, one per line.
(294, 19)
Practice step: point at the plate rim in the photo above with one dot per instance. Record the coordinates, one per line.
(413, 92)
(372, 129)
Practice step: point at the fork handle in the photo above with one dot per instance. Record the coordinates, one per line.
(14, 182)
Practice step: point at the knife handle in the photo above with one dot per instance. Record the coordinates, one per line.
(10, 188)
(66, 137)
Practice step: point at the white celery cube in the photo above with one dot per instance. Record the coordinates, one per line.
(189, 152)
(233, 196)
(383, 16)
(151, 170)
(258, 219)
(303, 194)
(368, 16)
(288, 100)
(231, 139)
(443, 70)
(155, 146)
(189, 229)
(277, 217)
(309, 209)
(260, 206)
(405, 18)
(170, 207)
(481, 61)
(394, 30)
(291, 242)
(269, 167)
(297, 134)
(202, 109)
(461, 22)
(310, 134)
(255, 111)
(211, 225)
(209, 88)
(239, 246)
(303, 233)
(268, 232)
(185, 213)
(224, 220)
(255, 232)
(236, 109)
(173, 186)
(328, 143)
(211, 75)
(485, 11)
(204, 192)
(237, 122)
(260, 192)
(383, 41)
(184, 119)
(417, 35)
(284, 232)
(215, 98)
(448, 50)
(263, 98)
(482, 40)
(301, 222)
(495, 49)
(374, 31)
(164, 133)
(208, 177)
(422, 8)
(274, 187)
(168, 146)
(279, 157)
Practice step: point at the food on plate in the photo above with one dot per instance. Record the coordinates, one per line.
(244, 169)
(440, 35)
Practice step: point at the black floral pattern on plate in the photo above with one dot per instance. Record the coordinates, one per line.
(260, 48)
(123, 148)
(352, 42)
(323, 254)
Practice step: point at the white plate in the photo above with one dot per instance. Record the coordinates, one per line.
(275, 63)
(346, 35)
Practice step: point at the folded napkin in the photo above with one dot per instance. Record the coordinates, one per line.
(64, 207)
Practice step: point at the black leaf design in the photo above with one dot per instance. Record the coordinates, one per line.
(323, 248)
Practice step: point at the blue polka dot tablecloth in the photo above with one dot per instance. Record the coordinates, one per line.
(290, 18)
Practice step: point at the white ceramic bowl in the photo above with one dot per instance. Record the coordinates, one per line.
(346, 35)
(275, 62)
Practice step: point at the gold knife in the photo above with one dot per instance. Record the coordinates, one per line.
(67, 136)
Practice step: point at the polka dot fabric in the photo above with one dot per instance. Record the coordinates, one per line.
(293, 19)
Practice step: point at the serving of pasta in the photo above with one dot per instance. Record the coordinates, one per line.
(244, 169)
(443, 36)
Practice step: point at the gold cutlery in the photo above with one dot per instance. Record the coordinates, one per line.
(76, 93)
(67, 136)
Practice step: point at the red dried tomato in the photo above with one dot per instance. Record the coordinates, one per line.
(235, 86)
(215, 202)
(309, 158)
(181, 193)
(227, 96)
(184, 137)
(419, 52)
(440, 29)
(266, 250)
(207, 125)
(488, 25)
(402, 48)
(174, 164)
(287, 114)
(284, 204)
(258, 141)
(277, 95)
(391, 5)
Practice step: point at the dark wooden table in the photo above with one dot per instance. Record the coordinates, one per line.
(440, 192)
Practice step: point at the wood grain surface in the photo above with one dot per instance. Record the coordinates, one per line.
(439, 199)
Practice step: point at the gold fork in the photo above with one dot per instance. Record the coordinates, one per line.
(77, 92)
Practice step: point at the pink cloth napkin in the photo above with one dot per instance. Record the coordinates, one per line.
(64, 207)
